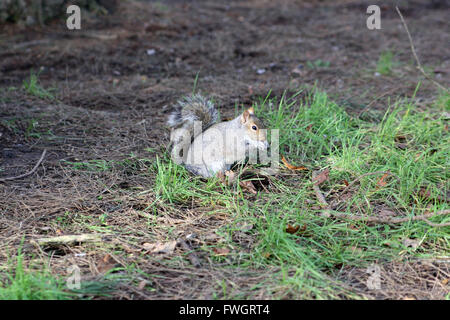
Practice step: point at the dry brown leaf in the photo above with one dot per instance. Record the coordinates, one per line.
(296, 229)
(402, 146)
(322, 177)
(445, 281)
(248, 186)
(106, 264)
(346, 183)
(160, 247)
(231, 176)
(381, 182)
(291, 229)
(290, 166)
(221, 251)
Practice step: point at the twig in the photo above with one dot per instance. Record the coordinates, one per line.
(419, 65)
(68, 239)
(328, 212)
(27, 173)
(319, 194)
(423, 217)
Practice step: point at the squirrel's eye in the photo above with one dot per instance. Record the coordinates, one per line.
(254, 128)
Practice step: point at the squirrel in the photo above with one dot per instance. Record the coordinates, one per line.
(205, 146)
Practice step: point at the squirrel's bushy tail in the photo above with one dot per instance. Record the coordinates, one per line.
(190, 109)
(187, 112)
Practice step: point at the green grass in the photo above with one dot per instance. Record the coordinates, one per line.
(385, 63)
(33, 87)
(413, 145)
(18, 284)
(318, 64)
(130, 164)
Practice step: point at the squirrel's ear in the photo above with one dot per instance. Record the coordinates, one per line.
(251, 110)
(245, 116)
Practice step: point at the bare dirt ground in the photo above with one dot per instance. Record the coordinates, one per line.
(114, 82)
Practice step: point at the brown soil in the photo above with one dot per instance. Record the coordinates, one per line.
(113, 96)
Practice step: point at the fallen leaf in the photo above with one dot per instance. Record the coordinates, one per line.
(346, 183)
(212, 237)
(298, 70)
(402, 146)
(291, 229)
(221, 251)
(381, 182)
(290, 166)
(445, 281)
(142, 284)
(309, 127)
(400, 138)
(267, 255)
(248, 186)
(231, 176)
(160, 247)
(322, 177)
(413, 243)
(106, 264)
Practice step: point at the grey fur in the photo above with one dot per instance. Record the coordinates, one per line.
(193, 108)
(188, 111)
(212, 147)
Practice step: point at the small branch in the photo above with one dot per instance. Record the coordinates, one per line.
(68, 239)
(423, 217)
(327, 212)
(419, 65)
(317, 191)
(28, 173)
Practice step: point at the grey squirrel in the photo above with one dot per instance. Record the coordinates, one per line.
(205, 146)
